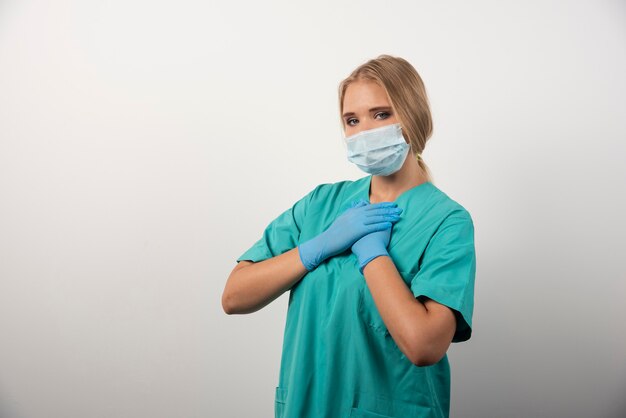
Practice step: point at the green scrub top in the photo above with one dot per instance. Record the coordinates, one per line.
(338, 358)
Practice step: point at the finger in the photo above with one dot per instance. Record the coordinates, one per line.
(381, 219)
(358, 203)
(378, 205)
(378, 227)
(384, 211)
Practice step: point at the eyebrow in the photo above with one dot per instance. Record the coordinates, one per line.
(371, 110)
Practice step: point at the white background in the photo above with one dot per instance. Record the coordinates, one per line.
(145, 145)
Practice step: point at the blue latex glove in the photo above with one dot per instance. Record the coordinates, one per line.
(371, 246)
(360, 219)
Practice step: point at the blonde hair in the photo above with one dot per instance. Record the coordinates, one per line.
(407, 95)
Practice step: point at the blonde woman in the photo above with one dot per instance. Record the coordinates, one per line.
(380, 270)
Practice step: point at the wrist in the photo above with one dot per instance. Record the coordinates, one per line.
(312, 252)
(305, 251)
(370, 257)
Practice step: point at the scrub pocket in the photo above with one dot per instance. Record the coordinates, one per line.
(279, 402)
(376, 406)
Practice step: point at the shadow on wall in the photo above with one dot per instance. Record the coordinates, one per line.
(619, 411)
(8, 409)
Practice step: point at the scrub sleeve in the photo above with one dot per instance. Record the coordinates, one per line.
(448, 268)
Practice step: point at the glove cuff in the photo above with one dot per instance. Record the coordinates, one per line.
(312, 252)
(302, 252)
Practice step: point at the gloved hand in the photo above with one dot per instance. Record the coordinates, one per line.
(371, 246)
(357, 221)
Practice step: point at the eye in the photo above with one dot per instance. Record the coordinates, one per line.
(382, 113)
(349, 120)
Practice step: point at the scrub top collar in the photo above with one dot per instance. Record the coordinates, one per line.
(367, 181)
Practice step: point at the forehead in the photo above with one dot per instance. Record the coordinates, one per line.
(363, 94)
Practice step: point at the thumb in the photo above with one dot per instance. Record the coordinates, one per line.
(358, 203)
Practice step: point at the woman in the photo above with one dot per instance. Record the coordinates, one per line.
(380, 270)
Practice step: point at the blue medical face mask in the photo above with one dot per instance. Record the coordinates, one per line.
(379, 151)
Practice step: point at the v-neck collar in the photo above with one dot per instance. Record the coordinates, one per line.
(367, 182)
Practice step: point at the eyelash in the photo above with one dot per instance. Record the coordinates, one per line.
(379, 113)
